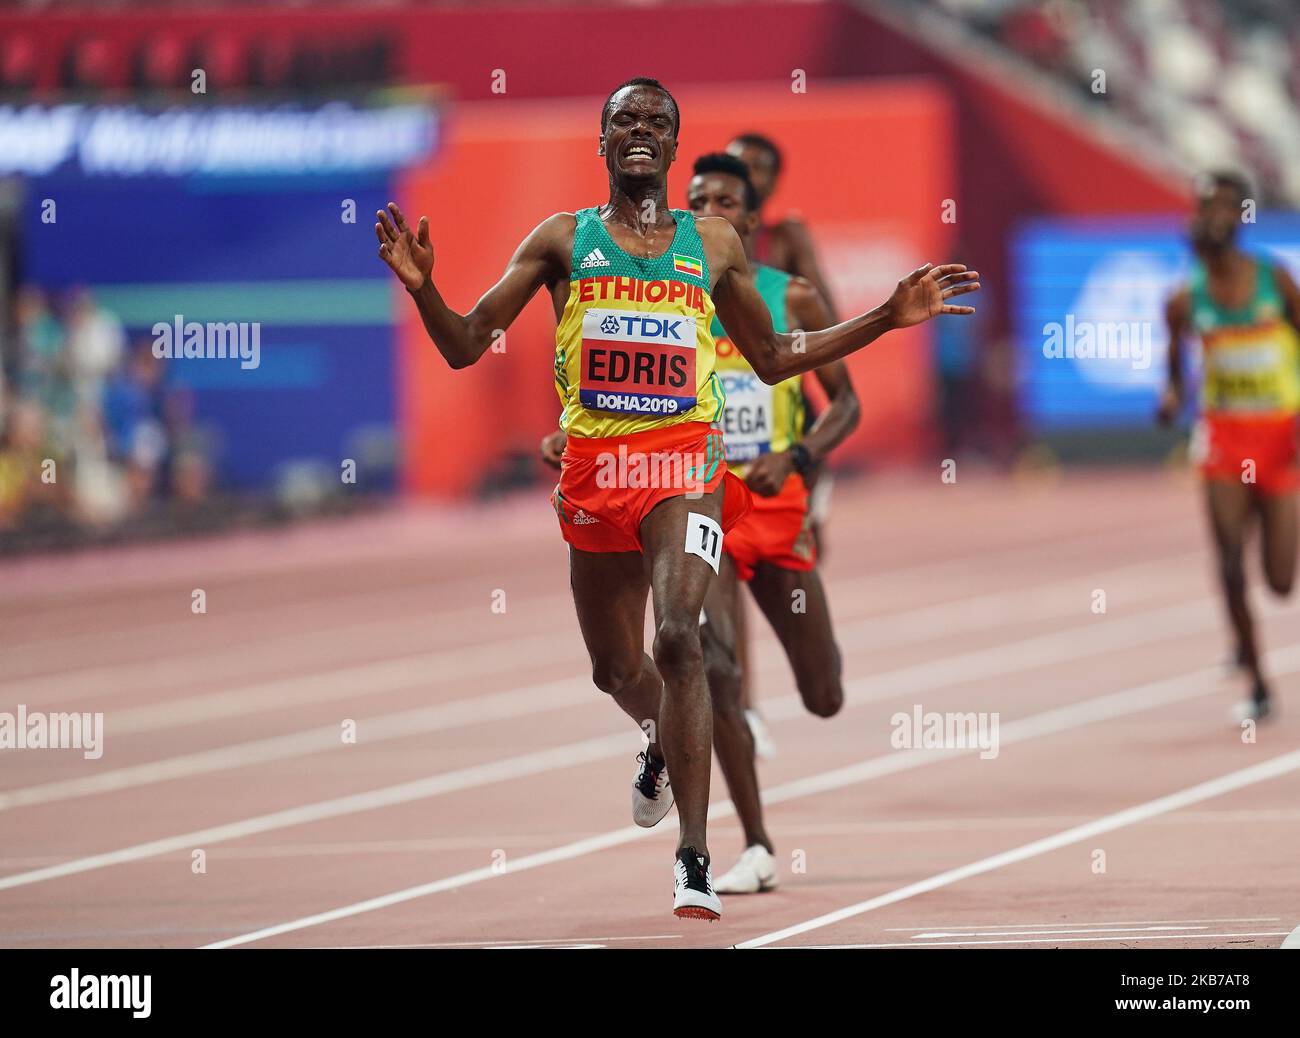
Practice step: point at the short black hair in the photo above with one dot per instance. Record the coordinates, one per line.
(1218, 178)
(641, 81)
(721, 162)
(757, 140)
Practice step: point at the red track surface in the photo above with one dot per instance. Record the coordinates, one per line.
(487, 790)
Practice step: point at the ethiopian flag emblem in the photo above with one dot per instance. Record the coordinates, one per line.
(687, 265)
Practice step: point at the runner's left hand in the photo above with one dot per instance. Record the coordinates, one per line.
(925, 292)
(768, 473)
(553, 447)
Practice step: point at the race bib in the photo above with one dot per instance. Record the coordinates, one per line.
(635, 362)
(1245, 377)
(704, 538)
(747, 419)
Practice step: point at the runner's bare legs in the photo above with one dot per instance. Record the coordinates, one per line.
(732, 739)
(1230, 510)
(794, 602)
(678, 583)
(609, 592)
(809, 642)
(1277, 514)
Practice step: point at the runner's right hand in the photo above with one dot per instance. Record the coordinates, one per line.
(1171, 403)
(768, 472)
(553, 447)
(409, 256)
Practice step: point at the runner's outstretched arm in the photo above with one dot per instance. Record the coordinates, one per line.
(776, 356)
(463, 339)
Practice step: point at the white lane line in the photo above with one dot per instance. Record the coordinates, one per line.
(539, 942)
(323, 645)
(1045, 931)
(1037, 940)
(516, 703)
(869, 577)
(307, 551)
(458, 713)
(974, 614)
(427, 669)
(1106, 707)
(543, 947)
(573, 850)
(466, 778)
(1057, 599)
(1270, 769)
(984, 823)
(792, 829)
(1053, 648)
(1124, 922)
(365, 602)
(388, 848)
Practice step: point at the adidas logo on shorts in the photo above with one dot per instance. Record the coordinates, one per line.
(581, 518)
(595, 258)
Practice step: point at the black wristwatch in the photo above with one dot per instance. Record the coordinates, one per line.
(801, 458)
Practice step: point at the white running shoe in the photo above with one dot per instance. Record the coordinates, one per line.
(754, 873)
(652, 795)
(693, 893)
(764, 744)
(1251, 709)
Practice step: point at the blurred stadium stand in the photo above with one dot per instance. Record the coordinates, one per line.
(1218, 81)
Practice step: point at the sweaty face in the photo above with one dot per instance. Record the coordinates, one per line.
(640, 139)
(762, 167)
(721, 194)
(1218, 215)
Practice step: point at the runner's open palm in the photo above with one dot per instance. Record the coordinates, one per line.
(410, 256)
(925, 292)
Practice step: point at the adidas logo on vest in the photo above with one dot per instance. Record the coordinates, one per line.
(595, 258)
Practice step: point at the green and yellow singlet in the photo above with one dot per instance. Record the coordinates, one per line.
(634, 347)
(1250, 363)
(758, 418)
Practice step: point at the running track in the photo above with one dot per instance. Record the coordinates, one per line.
(485, 799)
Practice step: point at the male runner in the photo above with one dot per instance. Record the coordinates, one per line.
(771, 548)
(634, 286)
(1245, 309)
(787, 244)
(784, 245)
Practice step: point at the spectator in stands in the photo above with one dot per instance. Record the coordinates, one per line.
(24, 451)
(135, 416)
(95, 342)
(91, 435)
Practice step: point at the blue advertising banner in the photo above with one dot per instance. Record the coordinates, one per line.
(213, 140)
(1089, 298)
(250, 268)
